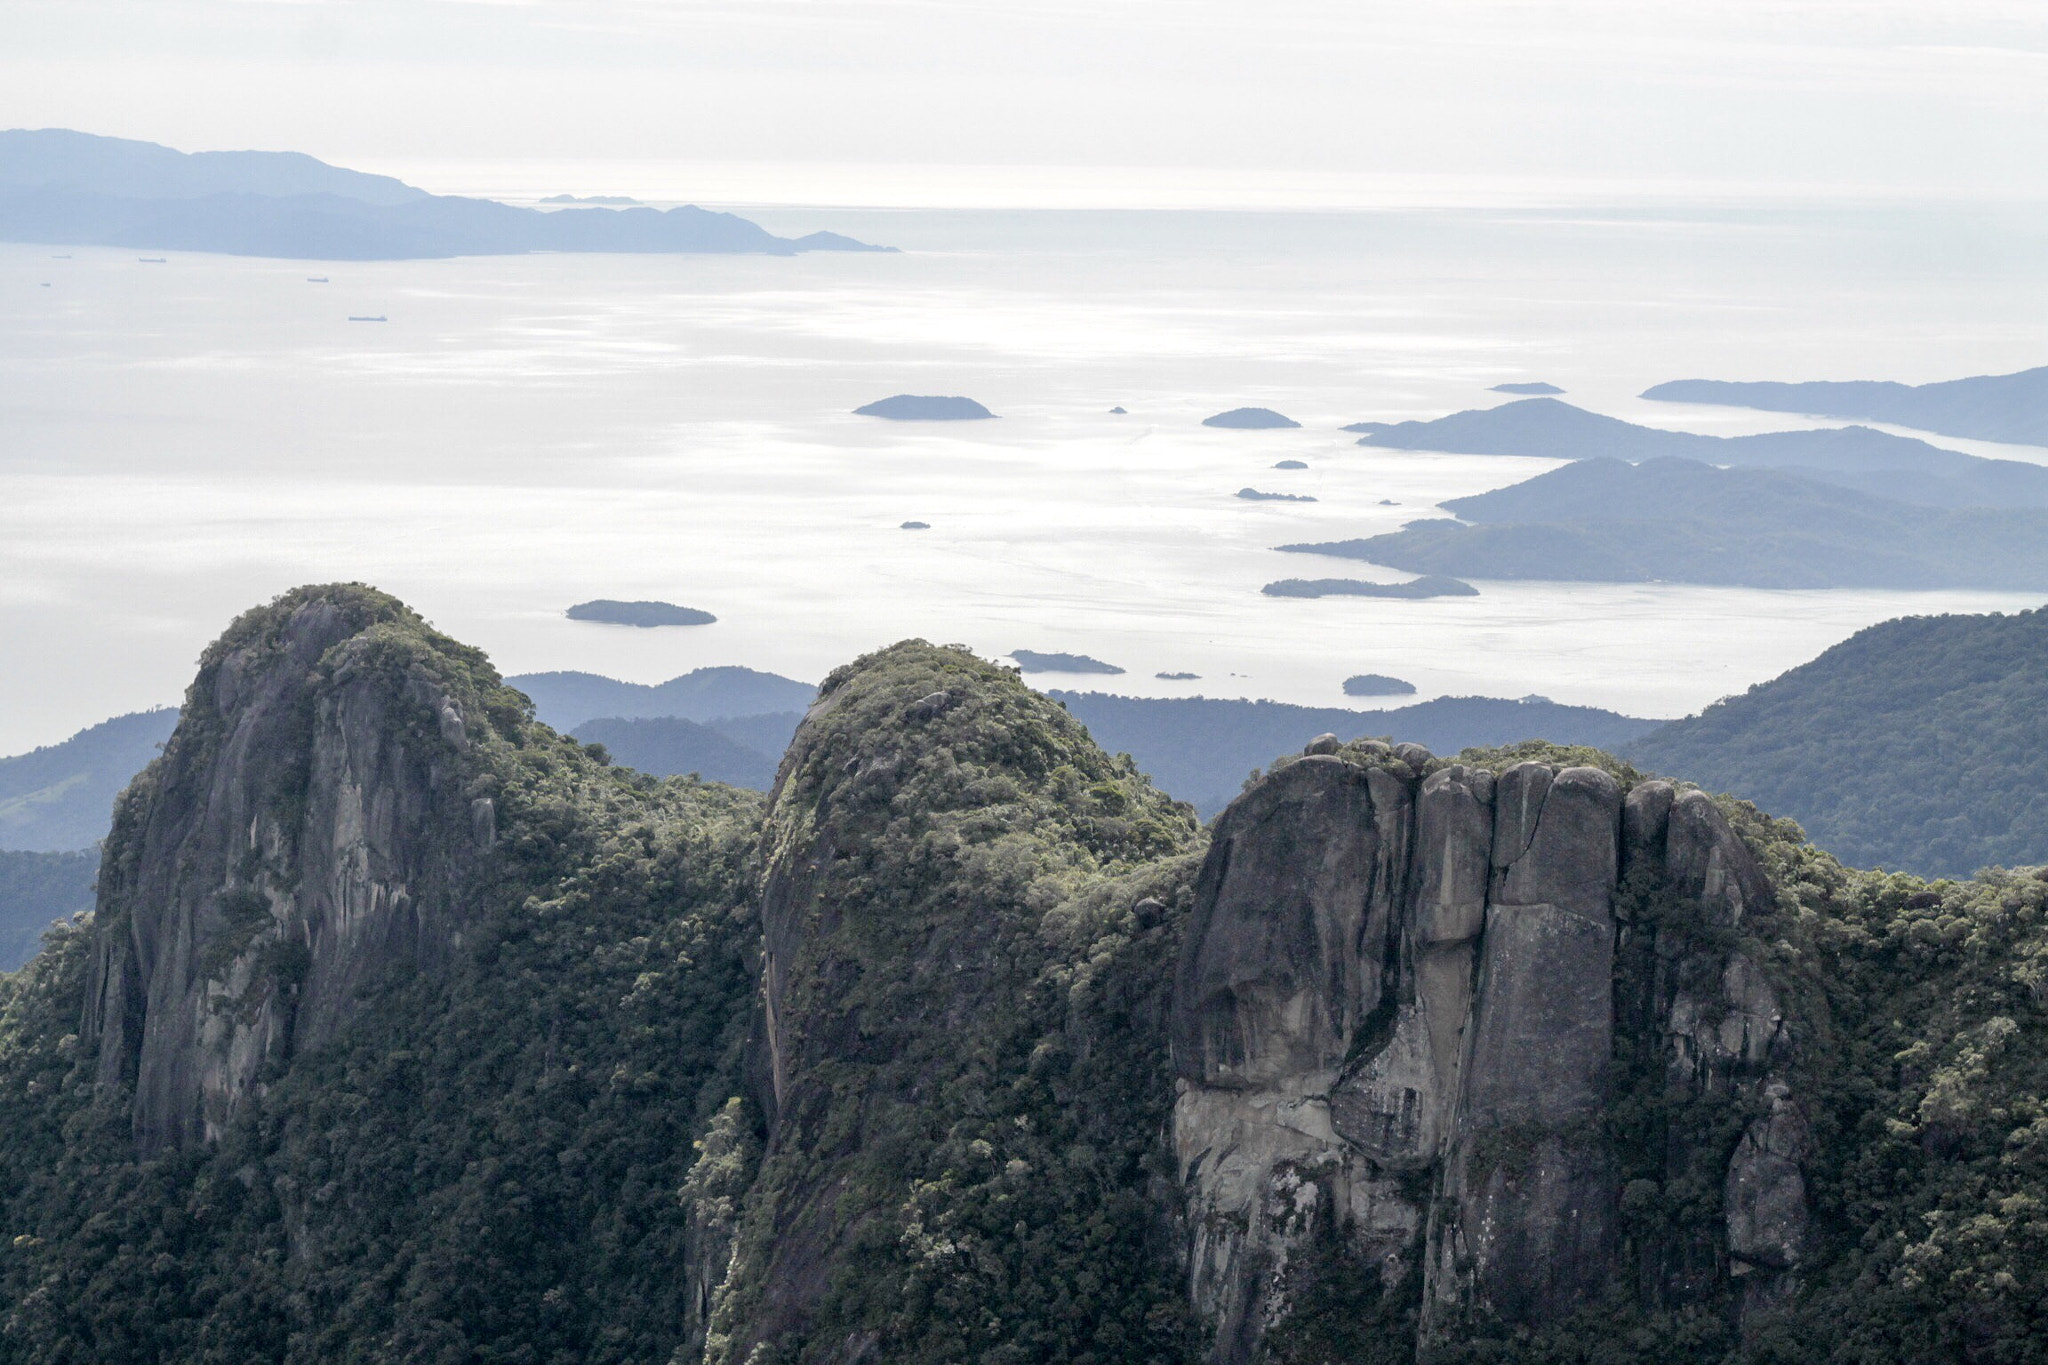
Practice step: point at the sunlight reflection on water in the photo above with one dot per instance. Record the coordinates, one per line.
(524, 433)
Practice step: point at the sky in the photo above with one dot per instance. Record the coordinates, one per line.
(1102, 101)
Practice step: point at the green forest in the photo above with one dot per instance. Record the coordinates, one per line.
(1918, 744)
(958, 921)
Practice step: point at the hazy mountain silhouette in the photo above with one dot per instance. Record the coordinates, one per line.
(1200, 748)
(911, 407)
(668, 746)
(1250, 419)
(1681, 521)
(1877, 462)
(2000, 407)
(69, 188)
(568, 699)
(61, 160)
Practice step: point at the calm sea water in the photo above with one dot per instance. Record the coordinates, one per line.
(179, 441)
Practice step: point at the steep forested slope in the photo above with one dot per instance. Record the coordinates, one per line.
(36, 889)
(408, 1030)
(481, 1161)
(59, 798)
(967, 908)
(1920, 743)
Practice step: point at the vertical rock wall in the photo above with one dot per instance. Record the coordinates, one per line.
(1396, 1021)
(306, 827)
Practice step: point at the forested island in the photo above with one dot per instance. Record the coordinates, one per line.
(1681, 521)
(2000, 407)
(909, 407)
(1902, 468)
(1250, 419)
(646, 615)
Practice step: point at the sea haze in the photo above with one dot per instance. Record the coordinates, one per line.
(178, 441)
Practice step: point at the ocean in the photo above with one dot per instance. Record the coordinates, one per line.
(179, 441)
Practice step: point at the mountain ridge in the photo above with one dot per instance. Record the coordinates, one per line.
(407, 1028)
(1678, 520)
(77, 189)
(1901, 468)
(2001, 407)
(1953, 706)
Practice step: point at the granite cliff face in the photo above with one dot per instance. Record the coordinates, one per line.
(1396, 1024)
(308, 825)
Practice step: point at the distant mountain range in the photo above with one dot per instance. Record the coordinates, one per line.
(1201, 749)
(1962, 794)
(732, 724)
(76, 189)
(669, 746)
(2001, 407)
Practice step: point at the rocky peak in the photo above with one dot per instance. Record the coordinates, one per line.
(938, 862)
(1397, 1027)
(309, 823)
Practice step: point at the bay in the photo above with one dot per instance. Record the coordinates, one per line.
(179, 441)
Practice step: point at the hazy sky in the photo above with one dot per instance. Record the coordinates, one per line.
(1917, 96)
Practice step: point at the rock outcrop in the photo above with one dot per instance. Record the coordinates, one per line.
(926, 1049)
(1396, 1022)
(308, 825)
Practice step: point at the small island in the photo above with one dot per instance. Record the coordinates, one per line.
(1429, 585)
(1537, 389)
(1178, 677)
(644, 614)
(915, 526)
(1117, 412)
(1377, 685)
(910, 407)
(1291, 464)
(1254, 495)
(1249, 419)
(1037, 661)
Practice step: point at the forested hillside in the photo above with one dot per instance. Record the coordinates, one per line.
(409, 1030)
(484, 1163)
(37, 889)
(1919, 744)
(59, 798)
